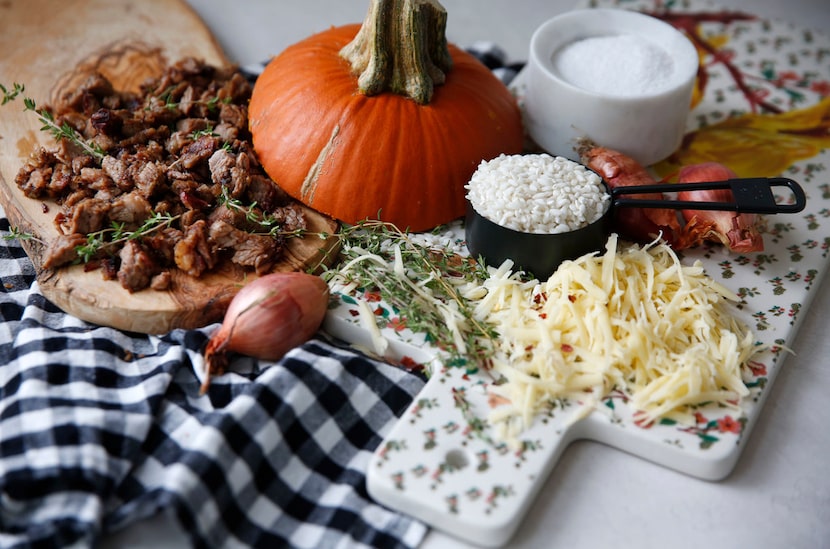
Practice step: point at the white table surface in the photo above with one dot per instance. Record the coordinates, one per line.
(779, 493)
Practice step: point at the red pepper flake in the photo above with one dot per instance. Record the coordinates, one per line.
(543, 315)
(372, 297)
(572, 298)
(411, 364)
(566, 348)
(398, 324)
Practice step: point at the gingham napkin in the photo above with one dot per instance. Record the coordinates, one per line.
(101, 428)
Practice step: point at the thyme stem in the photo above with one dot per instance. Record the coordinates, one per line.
(105, 238)
(421, 283)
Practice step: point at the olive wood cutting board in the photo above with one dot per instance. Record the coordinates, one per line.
(50, 47)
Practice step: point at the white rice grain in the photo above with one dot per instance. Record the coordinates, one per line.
(537, 193)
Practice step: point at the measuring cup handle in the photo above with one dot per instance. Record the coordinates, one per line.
(749, 195)
(798, 193)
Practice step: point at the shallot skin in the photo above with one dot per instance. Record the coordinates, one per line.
(267, 318)
(620, 170)
(737, 231)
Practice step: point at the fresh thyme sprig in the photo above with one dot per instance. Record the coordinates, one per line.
(422, 283)
(63, 131)
(58, 131)
(115, 235)
(167, 101)
(11, 95)
(16, 234)
(271, 225)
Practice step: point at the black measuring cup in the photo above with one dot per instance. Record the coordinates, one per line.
(541, 253)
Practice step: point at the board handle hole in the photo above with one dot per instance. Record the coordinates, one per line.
(456, 459)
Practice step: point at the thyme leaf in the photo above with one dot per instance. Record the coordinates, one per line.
(270, 224)
(168, 102)
(11, 95)
(62, 131)
(100, 241)
(422, 283)
(16, 234)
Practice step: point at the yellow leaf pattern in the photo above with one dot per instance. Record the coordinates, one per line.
(756, 145)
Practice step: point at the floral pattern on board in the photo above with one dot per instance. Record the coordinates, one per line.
(761, 107)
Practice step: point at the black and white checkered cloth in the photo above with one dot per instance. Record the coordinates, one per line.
(101, 428)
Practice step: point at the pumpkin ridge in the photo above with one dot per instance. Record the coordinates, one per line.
(309, 185)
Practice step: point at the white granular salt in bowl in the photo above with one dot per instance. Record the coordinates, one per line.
(537, 193)
(627, 65)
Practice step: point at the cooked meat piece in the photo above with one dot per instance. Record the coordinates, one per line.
(89, 216)
(266, 193)
(227, 133)
(157, 115)
(152, 151)
(176, 142)
(80, 162)
(61, 179)
(87, 98)
(162, 281)
(132, 209)
(240, 181)
(234, 217)
(163, 244)
(221, 163)
(160, 158)
(188, 102)
(291, 217)
(61, 250)
(118, 170)
(198, 151)
(76, 120)
(150, 179)
(107, 195)
(35, 177)
(249, 250)
(137, 267)
(96, 179)
(234, 115)
(193, 253)
(237, 88)
(189, 126)
(146, 135)
(108, 266)
(35, 182)
(190, 217)
(183, 186)
(103, 142)
(75, 197)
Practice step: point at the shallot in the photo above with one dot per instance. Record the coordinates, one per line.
(737, 231)
(620, 170)
(267, 318)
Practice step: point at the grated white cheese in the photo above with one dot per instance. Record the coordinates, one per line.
(635, 320)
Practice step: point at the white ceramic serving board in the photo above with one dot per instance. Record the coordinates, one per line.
(444, 464)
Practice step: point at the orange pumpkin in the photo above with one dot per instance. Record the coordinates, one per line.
(402, 159)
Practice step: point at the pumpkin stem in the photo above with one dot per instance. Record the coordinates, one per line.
(402, 48)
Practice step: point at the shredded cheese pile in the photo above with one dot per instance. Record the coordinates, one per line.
(635, 320)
